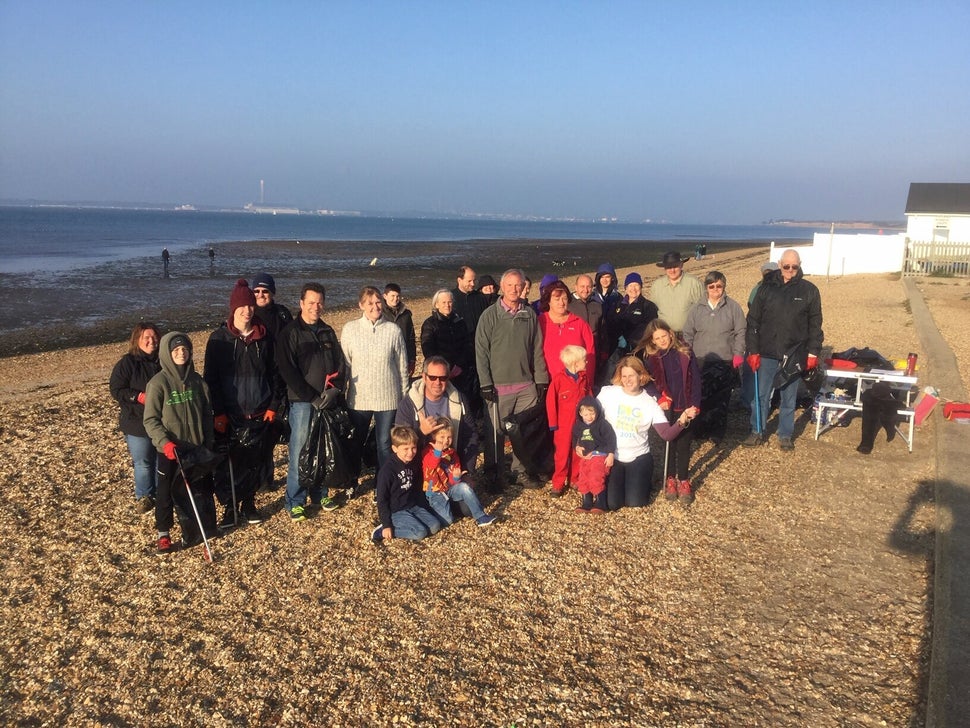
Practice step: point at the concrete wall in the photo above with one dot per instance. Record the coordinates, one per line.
(839, 255)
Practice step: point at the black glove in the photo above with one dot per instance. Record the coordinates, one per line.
(327, 399)
(541, 390)
(489, 394)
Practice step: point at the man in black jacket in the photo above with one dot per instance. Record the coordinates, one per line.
(469, 303)
(784, 320)
(273, 315)
(311, 363)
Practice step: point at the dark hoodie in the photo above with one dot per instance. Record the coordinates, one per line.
(241, 372)
(609, 296)
(598, 436)
(177, 404)
(401, 315)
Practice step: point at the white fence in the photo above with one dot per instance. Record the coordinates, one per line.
(936, 258)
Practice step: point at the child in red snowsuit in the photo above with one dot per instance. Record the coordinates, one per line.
(595, 443)
(567, 388)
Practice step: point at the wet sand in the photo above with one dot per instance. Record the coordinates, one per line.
(101, 304)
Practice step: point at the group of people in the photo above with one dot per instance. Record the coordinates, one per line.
(596, 366)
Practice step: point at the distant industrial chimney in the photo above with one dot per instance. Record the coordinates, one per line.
(261, 192)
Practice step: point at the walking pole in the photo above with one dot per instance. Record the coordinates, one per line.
(666, 455)
(499, 465)
(758, 425)
(232, 484)
(207, 553)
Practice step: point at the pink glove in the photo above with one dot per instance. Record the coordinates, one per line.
(221, 424)
(754, 361)
(737, 360)
(812, 362)
(269, 416)
(169, 450)
(140, 399)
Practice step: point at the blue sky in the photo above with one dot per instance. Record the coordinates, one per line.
(679, 111)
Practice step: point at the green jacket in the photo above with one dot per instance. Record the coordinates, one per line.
(177, 409)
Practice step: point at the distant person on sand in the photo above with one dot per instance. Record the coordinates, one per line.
(165, 259)
(785, 319)
(676, 292)
(312, 365)
(394, 310)
(128, 382)
(469, 303)
(274, 316)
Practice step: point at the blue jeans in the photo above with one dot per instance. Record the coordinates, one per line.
(299, 429)
(415, 523)
(788, 395)
(383, 422)
(460, 493)
(144, 457)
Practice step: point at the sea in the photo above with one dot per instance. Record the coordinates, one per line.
(79, 274)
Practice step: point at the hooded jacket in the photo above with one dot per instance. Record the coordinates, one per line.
(462, 421)
(401, 315)
(177, 404)
(606, 298)
(783, 315)
(241, 372)
(598, 436)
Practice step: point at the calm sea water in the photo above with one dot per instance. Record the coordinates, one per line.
(57, 239)
(76, 276)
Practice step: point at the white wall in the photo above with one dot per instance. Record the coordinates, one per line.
(922, 227)
(842, 254)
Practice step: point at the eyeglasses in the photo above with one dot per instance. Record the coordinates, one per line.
(715, 285)
(261, 291)
(790, 267)
(437, 377)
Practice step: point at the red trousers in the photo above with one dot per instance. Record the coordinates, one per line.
(565, 465)
(592, 474)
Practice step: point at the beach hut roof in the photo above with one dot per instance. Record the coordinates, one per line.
(941, 198)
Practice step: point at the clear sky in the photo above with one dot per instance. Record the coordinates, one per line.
(730, 112)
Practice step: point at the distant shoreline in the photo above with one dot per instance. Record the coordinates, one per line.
(840, 225)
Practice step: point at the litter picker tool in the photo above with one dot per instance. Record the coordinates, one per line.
(232, 485)
(758, 424)
(207, 553)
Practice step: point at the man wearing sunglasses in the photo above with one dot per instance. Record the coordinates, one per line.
(433, 395)
(273, 315)
(785, 318)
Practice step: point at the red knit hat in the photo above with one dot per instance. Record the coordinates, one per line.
(242, 295)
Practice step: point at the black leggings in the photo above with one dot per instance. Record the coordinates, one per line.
(678, 450)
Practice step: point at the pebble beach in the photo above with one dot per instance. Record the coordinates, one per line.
(795, 591)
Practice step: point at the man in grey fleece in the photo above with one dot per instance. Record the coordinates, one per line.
(511, 368)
